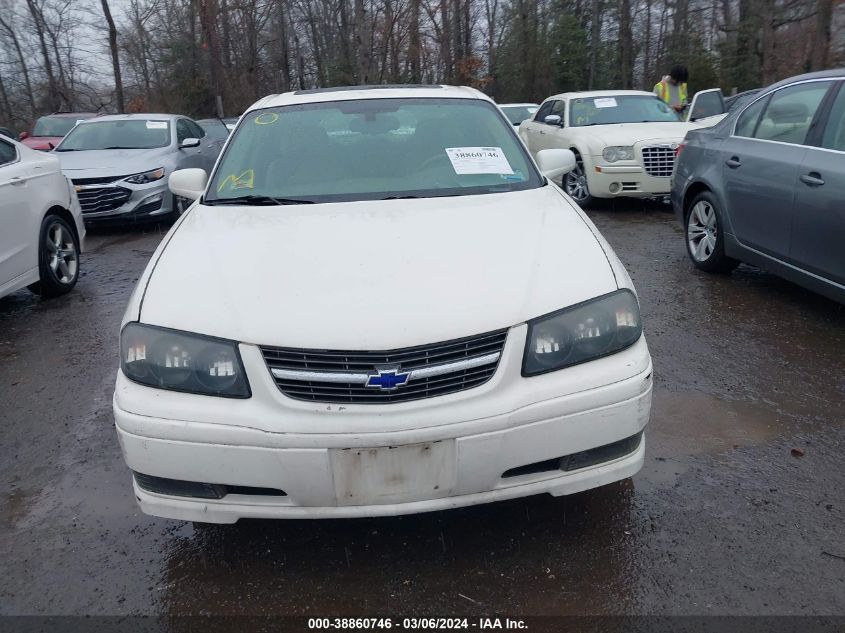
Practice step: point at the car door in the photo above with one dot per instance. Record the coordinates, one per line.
(209, 147)
(546, 131)
(760, 162)
(818, 223)
(16, 243)
(188, 156)
(533, 128)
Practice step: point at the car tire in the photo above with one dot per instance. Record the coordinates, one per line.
(575, 184)
(180, 205)
(58, 258)
(704, 236)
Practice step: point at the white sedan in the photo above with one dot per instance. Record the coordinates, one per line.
(624, 141)
(41, 230)
(378, 305)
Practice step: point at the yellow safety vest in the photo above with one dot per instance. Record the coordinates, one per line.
(662, 89)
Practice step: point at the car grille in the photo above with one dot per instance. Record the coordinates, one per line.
(659, 160)
(99, 181)
(97, 199)
(340, 376)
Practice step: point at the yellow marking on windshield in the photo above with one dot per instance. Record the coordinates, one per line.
(245, 181)
(268, 118)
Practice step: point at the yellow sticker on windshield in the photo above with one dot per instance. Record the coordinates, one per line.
(268, 118)
(245, 181)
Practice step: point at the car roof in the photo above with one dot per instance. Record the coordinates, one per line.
(349, 93)
(833, 73)
(586, 94)
(141, 117)
(517, 105)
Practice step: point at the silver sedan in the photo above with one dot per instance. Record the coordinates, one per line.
(119, 164)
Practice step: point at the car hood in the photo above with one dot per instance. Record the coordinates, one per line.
(44, 143)
(632, 133)
(375, 274)
(102, 163)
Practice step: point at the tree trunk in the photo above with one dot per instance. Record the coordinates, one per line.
(445, 41)
(54, 98)
(115, 58)
(207, 14)
(595, 34)
(626, 45)
(821, 42)
(13, 36)
(414, 48)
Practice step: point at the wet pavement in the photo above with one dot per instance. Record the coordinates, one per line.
(722, 519)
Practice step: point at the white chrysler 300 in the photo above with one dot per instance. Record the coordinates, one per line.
(378, 305)
(624, 141)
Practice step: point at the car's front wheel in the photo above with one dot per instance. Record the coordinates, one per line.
(575, 183)
(58, 258)
(705, 237)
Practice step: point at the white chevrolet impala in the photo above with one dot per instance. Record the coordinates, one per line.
(378, 305)
(624, 141)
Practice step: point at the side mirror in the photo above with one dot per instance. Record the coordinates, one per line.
(189, 142)
(553, 119)
(188, 183)
(23, 135)
(555, 162)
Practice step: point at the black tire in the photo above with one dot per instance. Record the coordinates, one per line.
(568, 184)
(704, 236)
(180, 205)
(58, 258)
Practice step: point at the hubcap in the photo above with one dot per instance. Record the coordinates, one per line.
(61, 250)
(702, 231)
(576, 184)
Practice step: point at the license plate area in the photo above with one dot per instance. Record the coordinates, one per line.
(393, 474)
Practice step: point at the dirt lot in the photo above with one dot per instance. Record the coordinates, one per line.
(722, 519)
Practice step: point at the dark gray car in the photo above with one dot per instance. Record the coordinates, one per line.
(766, 185)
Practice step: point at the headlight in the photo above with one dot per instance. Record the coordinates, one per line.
(618, 152)
(584, 332)
(179, 361)
(146, 177)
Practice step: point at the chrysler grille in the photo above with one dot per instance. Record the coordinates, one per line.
(659, 160)
(97, 199)
(340, 376)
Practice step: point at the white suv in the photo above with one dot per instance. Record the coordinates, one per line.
(378, 305)
(41, 230)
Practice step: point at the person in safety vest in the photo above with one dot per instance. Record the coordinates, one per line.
(673, 88)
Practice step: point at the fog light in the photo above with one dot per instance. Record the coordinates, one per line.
(615, 187)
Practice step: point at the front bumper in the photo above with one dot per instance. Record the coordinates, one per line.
(144, 202)
(479, 435)
(611, 181)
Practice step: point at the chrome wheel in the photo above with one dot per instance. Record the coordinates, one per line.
(702, 231)
(575, 183)
(63, 259)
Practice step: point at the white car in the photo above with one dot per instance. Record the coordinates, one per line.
(519, 112)
(378, 305)
(624, 141)
(41, 230)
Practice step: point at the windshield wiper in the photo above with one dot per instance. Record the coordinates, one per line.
(121, 147)
(256, 201)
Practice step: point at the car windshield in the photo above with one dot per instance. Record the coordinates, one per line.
(122, 134)
(607, 110)
(53, 125)
(740, 100)
(371, 149)
(215, 129)
(517, 114)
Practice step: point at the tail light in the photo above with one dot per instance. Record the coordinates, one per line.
(678, 151)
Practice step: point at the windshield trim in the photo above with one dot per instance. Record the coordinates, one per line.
(534, 173)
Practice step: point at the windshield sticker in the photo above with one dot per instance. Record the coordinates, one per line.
(478, 160)
(156, 125)
(606, 102)
(268, 118)
(245, 181)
